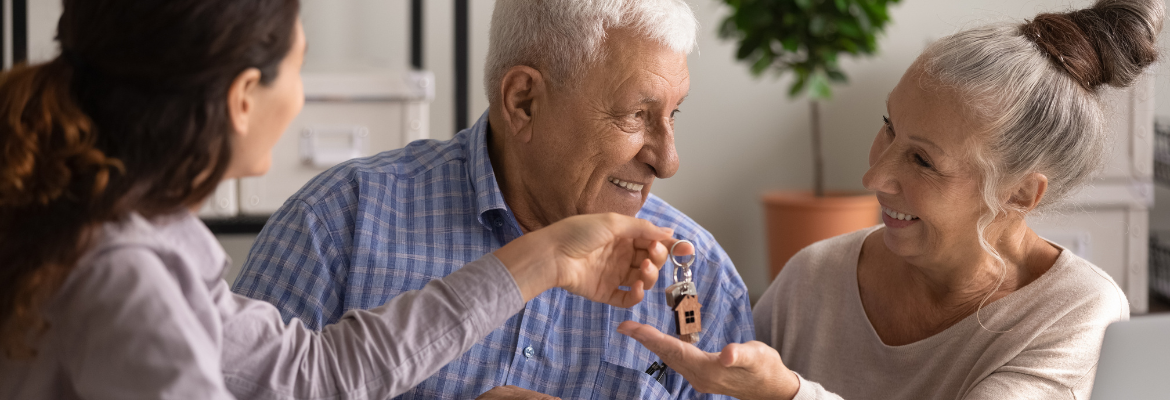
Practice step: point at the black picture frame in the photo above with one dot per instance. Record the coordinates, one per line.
(19, 31)
(462, 38)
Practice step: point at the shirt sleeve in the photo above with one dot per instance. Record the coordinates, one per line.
(129, 332)
(296, 265)
(376, 353)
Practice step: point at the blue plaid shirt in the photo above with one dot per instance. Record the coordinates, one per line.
(369, 229)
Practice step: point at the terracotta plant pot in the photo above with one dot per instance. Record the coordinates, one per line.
(798, 219)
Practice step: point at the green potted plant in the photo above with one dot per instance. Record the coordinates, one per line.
(806, 38)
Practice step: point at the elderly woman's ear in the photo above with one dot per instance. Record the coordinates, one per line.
(1029, 192)
(523, 91)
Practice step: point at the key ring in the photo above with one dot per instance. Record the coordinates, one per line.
(686, 268)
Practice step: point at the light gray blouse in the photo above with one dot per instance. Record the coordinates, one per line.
(147, 314)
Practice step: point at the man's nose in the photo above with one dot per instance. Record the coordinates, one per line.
(658, 150)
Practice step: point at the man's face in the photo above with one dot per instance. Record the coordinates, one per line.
(600, 147)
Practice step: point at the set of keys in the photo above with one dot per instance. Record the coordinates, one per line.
(683, 299)
(682, 296)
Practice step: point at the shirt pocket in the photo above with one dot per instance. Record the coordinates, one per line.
(625, 361)
(619, 382)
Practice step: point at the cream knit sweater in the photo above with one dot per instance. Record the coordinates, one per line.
(812, 314)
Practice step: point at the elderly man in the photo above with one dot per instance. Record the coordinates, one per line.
(582, 102)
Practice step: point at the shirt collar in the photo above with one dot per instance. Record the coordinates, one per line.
(491, 209)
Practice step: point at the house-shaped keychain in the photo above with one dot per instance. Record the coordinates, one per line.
(688, 322)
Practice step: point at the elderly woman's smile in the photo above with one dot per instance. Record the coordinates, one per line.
(894, 219)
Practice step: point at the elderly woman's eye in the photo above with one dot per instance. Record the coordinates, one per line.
(922, 161)
(673, 113)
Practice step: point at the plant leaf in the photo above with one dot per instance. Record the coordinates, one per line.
(805, 37)
(761, 64)
(819, 88)
(799, 82)
(836, 75)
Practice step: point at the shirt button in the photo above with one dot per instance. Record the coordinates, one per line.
(528, 352)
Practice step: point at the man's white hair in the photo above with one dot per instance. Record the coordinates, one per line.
(563, 38)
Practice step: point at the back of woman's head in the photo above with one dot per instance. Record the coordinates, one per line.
(131, 117)
(1036, 90)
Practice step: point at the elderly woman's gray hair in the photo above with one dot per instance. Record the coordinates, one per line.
(1036, 88)
(564, 37)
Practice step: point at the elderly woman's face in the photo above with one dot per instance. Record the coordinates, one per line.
(923, 173)
(606, 142)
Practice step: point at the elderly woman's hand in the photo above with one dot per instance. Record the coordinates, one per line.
(750, 370)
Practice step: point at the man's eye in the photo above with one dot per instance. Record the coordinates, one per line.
(673, 113)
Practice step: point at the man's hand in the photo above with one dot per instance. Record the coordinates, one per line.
(513, 393)
(591, 256)
(750, 370)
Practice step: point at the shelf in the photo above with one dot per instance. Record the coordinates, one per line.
(236, 225)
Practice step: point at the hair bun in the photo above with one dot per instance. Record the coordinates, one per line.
(1110, 43)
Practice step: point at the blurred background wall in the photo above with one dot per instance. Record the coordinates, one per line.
(737, 136)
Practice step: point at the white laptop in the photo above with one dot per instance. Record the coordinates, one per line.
(1135, 360)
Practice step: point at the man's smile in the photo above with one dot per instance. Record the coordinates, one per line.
(633, 187)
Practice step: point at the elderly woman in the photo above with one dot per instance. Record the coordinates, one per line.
(955, 297)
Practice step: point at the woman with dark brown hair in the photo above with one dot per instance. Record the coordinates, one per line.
(110, 287)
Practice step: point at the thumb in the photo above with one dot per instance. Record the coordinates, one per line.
(745, 355)
(636, 228)
(731, 355)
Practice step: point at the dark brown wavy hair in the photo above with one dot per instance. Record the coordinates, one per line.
(131, 117)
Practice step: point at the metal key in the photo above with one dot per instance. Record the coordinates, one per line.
(683, 298)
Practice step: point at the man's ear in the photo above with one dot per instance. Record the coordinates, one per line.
(241, 99)
(1029, 192)
(523, 90)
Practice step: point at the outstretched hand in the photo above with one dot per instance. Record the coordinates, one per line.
(750, 370)
(592, 256)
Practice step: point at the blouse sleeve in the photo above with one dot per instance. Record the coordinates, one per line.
(810, 390)
(376, 353)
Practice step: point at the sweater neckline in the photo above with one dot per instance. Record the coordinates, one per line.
(967, 323)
